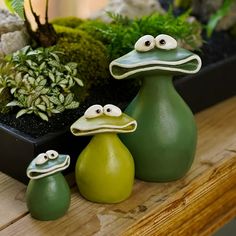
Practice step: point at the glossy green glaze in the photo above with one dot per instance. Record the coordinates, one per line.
(105, 168)
(48, 198)
(164, 143)
(48, 194)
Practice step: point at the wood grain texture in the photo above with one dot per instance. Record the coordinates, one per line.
(198, 204)
(12, 200)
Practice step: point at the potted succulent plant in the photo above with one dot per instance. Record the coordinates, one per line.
(41, 84)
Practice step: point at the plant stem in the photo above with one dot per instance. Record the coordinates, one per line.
(46, 13)
(36, 17)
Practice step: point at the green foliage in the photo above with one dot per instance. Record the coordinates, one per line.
(71, 21)
(218, 15)
(120, 36)
(93, 43)
(6, 70)
(42, 84)
(16, 6)
(90, 55)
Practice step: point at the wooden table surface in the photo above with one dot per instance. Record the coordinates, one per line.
(198, 204)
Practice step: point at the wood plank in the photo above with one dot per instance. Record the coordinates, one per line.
(190, 203)
(197, 198)
(12, 200)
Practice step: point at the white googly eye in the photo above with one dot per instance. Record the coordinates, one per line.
(52, 154)
(41, 159)
(111, 110)
(164, 41)
(145, 43)
(93, 111)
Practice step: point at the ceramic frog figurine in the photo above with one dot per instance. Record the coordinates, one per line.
(48, 194)
(164, 144)
(105, 168)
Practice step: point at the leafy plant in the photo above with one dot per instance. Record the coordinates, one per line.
(218, 15)
(6, 70)
(120, 35)
(42, 84)
(16, 6)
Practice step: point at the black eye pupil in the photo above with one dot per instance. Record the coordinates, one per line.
(45, 157)
(147, 43)
(108, 109)
(98, 111)
(52, 155)
(162, 42)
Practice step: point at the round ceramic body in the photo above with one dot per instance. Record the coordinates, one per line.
(164, 144)
(48, 198)
(105, 170)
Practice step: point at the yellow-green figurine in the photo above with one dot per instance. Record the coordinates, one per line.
(105, 168)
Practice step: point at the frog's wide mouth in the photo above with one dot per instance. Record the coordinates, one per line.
(40, 172)
(79, 130)
(189, 65)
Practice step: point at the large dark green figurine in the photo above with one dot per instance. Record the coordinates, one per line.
(164, 144)
(48, 194)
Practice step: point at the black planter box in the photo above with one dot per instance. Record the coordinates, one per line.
(211, 85)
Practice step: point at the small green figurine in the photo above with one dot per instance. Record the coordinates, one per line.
(164, 144)
(48, 194)
(105, 168)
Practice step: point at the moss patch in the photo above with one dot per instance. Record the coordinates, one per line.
(71, 21)
(90, 54)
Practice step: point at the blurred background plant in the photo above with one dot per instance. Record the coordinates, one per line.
(216, 15)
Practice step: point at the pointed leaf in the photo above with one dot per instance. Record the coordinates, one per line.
(31, 73)
(55, 100)
(37, 101)
(55, 111)
(42, 107)
(44, 91)
(14, 103)
(54, 63)
(61, 98)
(39, 88)
(21, 113)
(17, 6)
(79, 82)
(60, 108)
(29, 100)
(46, 100)
(72, 105)
(51, 76)
(55, 56)
(69, 99)
(68, 68)
(13, 90)
(43, 116)
(72, 65)
(42, 66)
(64, 81)
(31, 80)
